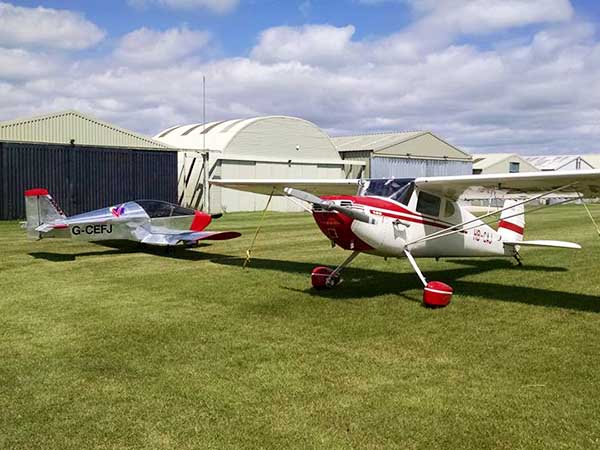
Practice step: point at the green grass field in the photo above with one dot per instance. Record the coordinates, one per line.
(116, 348)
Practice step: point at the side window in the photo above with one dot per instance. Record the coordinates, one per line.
(429, 204)
(449, 208)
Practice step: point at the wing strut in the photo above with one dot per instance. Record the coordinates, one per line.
(461, 226)
(590, 214)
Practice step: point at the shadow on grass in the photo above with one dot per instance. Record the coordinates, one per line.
(366, 283)
(128, 247)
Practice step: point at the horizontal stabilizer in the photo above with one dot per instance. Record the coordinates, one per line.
(544, 243)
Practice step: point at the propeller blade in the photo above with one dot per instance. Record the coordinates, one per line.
(310, 198)
(305, 196)
(216, 216)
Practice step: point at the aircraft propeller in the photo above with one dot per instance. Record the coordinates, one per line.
(328, 205)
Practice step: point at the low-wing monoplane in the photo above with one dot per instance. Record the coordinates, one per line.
(422, 217)
(151, 222)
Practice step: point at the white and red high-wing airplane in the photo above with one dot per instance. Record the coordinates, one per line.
(421, 217)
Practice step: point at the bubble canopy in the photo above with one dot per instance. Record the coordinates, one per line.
(159, 208)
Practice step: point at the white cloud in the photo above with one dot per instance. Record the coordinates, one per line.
(216, 6)
(45, 27)
(19, 64)
(538, 94)
(150, 47)
(312, 44)
(485, 16)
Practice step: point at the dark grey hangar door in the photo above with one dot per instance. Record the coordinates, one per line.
(82, 178)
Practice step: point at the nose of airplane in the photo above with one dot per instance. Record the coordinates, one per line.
(200, 221)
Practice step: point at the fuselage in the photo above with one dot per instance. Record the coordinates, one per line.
(395, 224)
(129, 221)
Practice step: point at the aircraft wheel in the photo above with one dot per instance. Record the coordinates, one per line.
(437, 294)
(321, 278)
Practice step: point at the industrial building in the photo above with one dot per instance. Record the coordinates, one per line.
(404, 154)
(260, 147)
(84, 162)
(87, 163)
(501, 163)
(559, 162)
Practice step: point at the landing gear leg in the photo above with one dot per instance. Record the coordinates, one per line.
(324, 277)
(519, 259)
(435, 293)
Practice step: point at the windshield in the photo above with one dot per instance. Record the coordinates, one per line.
(398, 189)
(158, 208)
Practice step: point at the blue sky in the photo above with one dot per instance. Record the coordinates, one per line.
(487, 75)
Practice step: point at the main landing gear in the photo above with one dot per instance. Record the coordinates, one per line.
(323, 277)
(435, 293)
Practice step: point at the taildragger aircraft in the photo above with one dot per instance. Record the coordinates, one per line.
(152, 222)
(422, 217)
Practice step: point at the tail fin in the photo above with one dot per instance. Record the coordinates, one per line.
(512, 221)
(40, 208)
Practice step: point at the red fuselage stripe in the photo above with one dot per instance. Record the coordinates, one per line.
(511, 227)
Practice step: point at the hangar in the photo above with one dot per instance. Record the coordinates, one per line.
(84, 162)
(404, 154)
(260, 147)
(501, 163)
(559, 162)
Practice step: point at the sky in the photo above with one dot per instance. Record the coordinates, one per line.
(486, 75)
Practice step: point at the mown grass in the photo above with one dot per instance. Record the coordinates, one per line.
(117, 348)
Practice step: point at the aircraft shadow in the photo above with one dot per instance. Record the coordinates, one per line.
(127, 247)
(366, 283)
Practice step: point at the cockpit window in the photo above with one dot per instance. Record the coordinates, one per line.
(429, 204)
(449, 209)
(398, 189)
(158, 208)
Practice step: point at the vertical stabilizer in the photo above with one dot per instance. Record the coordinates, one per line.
(40, 208)
(512, 221)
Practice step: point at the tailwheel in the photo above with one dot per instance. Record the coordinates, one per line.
(324, 278)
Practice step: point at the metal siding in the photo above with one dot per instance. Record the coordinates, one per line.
(83, 179)
(403, 167)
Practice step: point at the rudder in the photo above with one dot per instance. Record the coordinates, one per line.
(40, 208)
(512, 221)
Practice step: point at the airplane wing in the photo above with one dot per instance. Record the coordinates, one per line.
(276, 186)
(187, 236)
(586, 182)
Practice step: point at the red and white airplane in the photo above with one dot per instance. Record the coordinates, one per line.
(421, 217)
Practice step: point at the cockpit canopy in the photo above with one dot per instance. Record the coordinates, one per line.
(397, 189)
(158, 208)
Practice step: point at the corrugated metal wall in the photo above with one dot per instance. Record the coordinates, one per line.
(83, 178)
(382, 167)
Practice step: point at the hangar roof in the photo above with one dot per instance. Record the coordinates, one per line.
(280, 138)
(486, 161)
(556, 162)
(62, 127)
(416, 144)
(593, 159)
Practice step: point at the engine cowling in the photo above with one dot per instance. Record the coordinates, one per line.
(387, 236)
